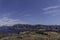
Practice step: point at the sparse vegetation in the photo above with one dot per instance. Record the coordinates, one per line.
(34, 32)
(35, 35)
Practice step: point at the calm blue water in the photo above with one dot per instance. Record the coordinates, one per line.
(12, 31)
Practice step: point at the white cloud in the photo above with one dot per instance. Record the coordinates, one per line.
(52, 10)
(9, 21)
(51, 7)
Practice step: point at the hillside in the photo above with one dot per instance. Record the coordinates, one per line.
(32, 35)
(30, 32)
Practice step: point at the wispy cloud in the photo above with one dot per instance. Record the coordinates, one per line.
(6, 18)
(53, 10)
(51, 7)
(9, 21)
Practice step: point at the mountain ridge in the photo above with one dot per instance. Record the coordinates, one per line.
(27, 27)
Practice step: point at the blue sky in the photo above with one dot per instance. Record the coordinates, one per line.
(30, 11)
